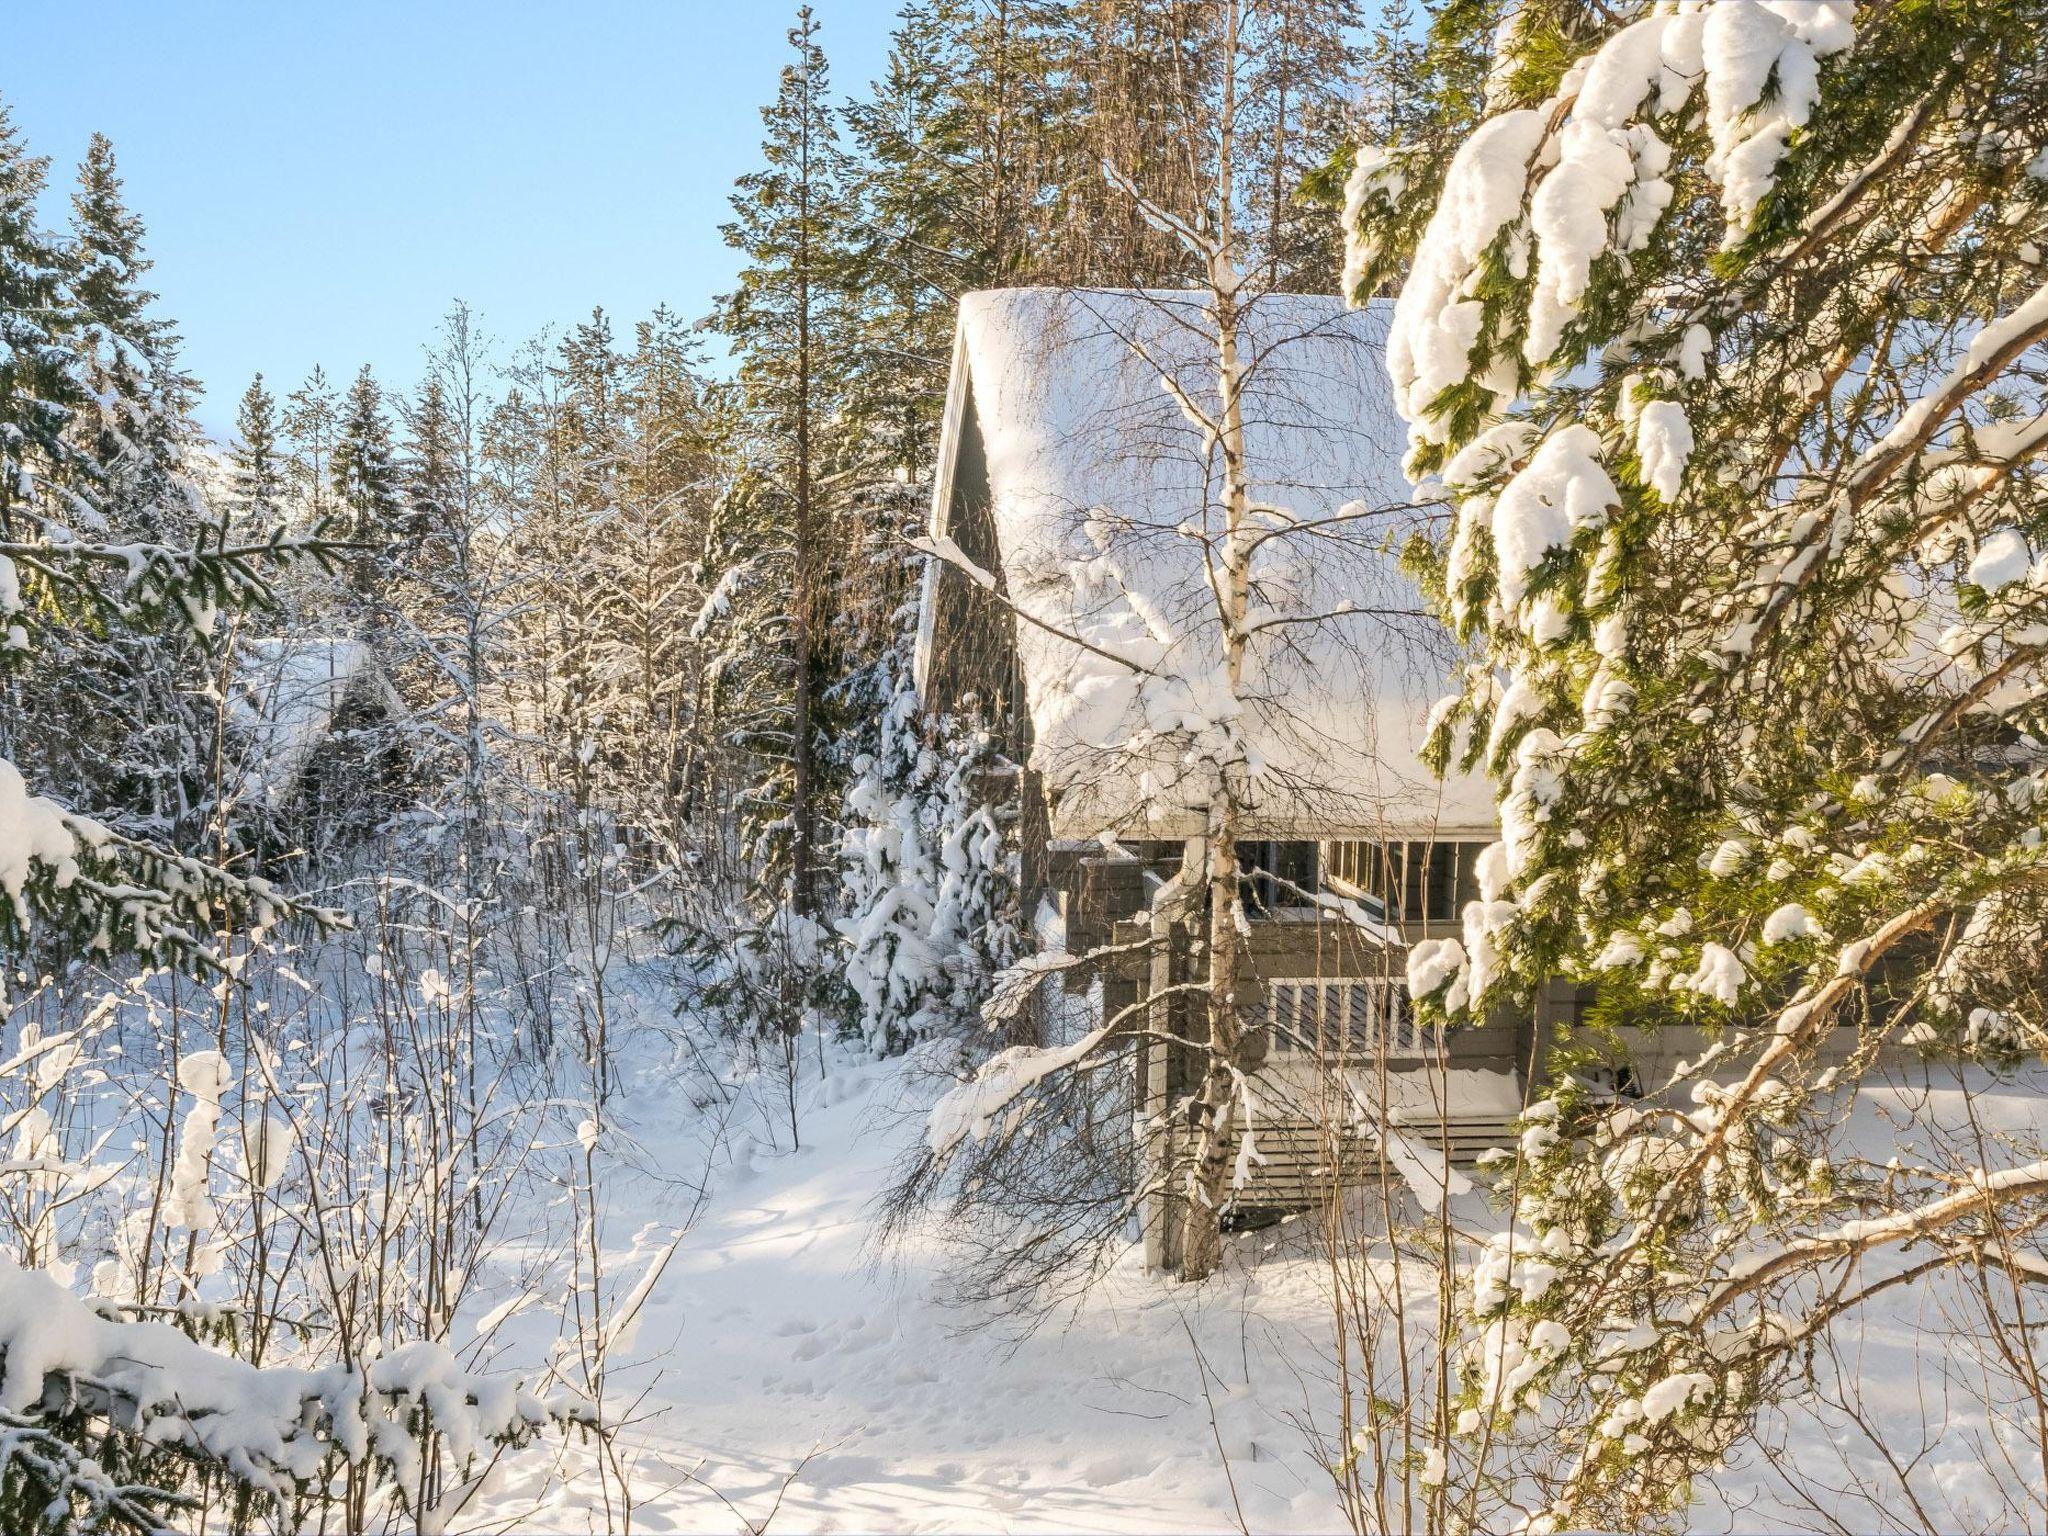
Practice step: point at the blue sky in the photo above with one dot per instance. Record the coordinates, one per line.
(321, 178)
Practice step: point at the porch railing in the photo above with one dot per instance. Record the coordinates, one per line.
(1345, 1016)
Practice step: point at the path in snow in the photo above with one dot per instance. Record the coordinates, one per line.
(780, 1335)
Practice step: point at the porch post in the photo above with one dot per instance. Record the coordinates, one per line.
(1159, 1208)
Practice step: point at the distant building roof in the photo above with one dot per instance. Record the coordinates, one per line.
(1099, 485)
(288, 693)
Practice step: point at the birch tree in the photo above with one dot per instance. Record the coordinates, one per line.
(1250, 614)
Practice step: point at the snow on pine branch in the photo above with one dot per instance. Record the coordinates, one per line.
(190, 585)
(118, 893)
(1547, 447)
(1541, 193)
(275, 1429)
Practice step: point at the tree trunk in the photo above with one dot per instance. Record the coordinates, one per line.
(1233, 1051)
(803, 771)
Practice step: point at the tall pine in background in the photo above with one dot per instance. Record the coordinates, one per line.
(774, 544)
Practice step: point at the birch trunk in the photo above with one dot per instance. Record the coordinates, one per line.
(1231, 1050)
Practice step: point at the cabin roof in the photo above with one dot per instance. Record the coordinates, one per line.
(1101, 491)
(288, 693)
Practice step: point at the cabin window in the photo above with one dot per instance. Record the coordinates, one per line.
(1277, 876)
(1160, 856)
(1413, 882)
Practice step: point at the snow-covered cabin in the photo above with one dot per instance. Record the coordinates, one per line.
(300, 710)
(1070, 604)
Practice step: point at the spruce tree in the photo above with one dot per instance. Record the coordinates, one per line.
(665, 487)
(257, 462)
(39, 389)
(112, 724)
(136, 422)
(591, 453)
(454, 604)
(930, 885)
(312, 416)
(1720, 345)
(914, 249)
(86, 612)
(364, 472)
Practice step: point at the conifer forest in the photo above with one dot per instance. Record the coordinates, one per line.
(1293, 778)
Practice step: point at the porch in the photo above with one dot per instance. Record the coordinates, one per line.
(1350, 1083)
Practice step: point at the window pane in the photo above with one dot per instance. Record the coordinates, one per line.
(1468, 875)
(1443, 881)
(1295, 865)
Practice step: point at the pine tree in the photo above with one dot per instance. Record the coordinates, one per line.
(1302, 62)
(1720, 342)
(1150, 77)
(772, 550)
(1017, 120)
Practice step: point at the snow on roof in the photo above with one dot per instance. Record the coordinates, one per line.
(1101, 487)
(287, 693)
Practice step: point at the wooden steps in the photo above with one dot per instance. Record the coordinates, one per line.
(1295, 1159)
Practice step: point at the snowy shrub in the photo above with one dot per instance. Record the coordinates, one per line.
(170, 1420)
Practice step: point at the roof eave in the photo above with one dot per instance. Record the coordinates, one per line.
(942, 506)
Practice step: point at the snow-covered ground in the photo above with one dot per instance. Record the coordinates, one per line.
(791, 1373)
(782, 1348)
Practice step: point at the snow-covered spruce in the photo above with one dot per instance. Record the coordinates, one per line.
(1756, 580)
(928, 883)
